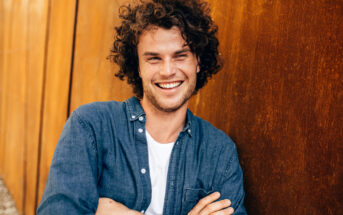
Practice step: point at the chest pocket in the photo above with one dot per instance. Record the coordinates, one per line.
(191, 197)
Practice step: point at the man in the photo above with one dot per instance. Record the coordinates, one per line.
(150, 154)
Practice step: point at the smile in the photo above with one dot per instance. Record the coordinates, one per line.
(169, 85)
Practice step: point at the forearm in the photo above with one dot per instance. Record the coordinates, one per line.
(107, 206)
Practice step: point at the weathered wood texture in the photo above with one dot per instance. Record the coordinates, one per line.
(2, 82)
(57, 82)
(23, 51)
(93, 75)
(33, 56)
(279, 96)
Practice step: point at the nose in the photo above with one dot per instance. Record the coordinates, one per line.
(167, 69)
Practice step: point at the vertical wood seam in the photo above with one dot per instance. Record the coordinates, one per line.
(47, 36)
(72, 58)
(27, 23)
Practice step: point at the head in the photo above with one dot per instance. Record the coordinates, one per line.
(190, 17)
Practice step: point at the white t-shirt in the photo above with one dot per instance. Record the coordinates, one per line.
(159, 155)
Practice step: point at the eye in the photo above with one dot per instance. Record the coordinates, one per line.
(153, 59)
(181, 56)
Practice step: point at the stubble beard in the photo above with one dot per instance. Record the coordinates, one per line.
(157, 103)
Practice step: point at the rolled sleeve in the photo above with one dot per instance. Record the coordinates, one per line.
(232, 184)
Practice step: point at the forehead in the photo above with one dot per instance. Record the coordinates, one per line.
(158, 39)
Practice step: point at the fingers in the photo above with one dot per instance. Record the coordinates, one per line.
(207, 205)
(204, 202)
(217, 207)
(227, 211)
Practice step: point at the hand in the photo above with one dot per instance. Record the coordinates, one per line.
(207, 205)
(108, 206)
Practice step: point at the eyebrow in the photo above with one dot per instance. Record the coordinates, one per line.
(156, 54)
(150, 53)
(182, 51)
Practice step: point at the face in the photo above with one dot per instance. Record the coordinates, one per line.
(167, 68)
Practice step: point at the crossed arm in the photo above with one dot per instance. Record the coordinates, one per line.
(206, 205)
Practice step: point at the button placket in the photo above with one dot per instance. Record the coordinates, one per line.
(140, 139)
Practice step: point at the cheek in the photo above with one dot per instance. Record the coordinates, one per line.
(191, 70)
(187, 66)
(147, 73)
(191, 65)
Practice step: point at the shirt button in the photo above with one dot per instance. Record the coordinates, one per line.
(189, 130)
(133, 116)
(143, 170)
(140, 118)
(140, 130)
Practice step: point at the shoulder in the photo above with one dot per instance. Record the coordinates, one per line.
(208, 134)
(99, 110)
(98, 120)
(98, 107)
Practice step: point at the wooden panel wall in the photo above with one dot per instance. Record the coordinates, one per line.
(93, 75)
(36, 49)
(57, 82)
(2, 82)
(23, 51)
(279, 96)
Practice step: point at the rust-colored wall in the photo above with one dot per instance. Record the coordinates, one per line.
(279, 96)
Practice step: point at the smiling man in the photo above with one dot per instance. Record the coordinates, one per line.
(150, 154)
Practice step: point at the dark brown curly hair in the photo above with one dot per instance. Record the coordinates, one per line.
(193, 19)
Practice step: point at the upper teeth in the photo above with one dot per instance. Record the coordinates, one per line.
(169, 85)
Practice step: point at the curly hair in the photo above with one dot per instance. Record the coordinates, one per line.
(193, 19)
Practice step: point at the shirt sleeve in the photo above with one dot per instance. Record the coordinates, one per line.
(232, 184)
(72, 183)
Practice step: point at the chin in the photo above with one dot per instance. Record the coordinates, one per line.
(169, 109)
(170, 106)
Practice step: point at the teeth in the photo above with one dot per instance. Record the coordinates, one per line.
(169, 85)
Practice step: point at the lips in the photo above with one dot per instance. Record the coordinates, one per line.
(169, 85)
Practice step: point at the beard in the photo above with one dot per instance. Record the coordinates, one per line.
(157, 100)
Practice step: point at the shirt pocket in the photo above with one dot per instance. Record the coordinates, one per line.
(191, 197)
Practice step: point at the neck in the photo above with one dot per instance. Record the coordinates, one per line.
(164, 127)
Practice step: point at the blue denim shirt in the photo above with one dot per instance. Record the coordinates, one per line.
(102, 152)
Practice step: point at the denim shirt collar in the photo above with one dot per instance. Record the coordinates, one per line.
(135, 111)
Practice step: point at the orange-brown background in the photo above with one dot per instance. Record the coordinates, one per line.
(279, 96)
